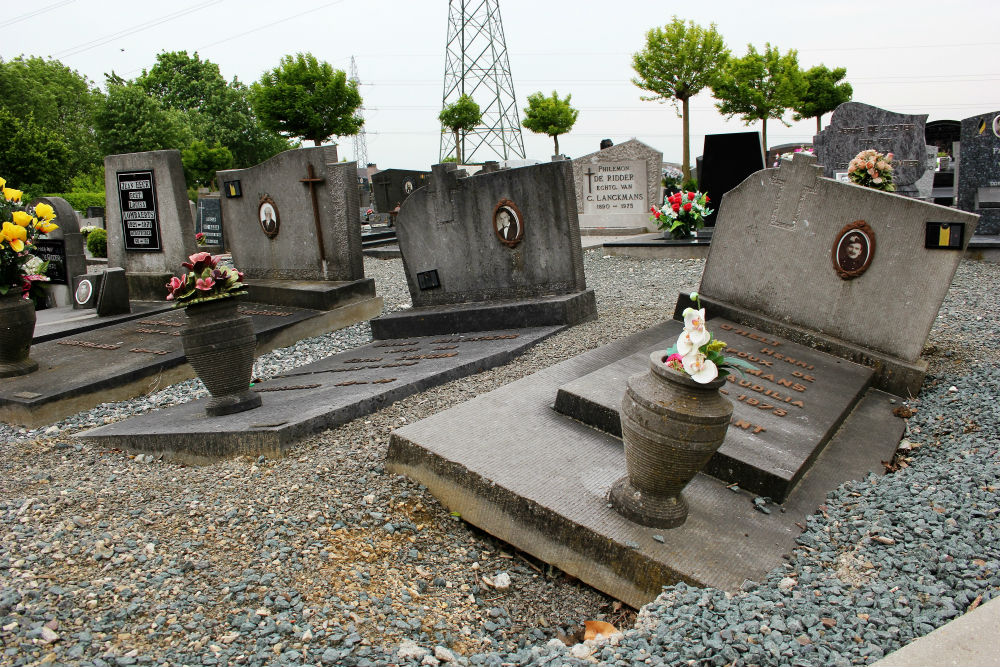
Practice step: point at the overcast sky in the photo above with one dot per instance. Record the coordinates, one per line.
(917, 56)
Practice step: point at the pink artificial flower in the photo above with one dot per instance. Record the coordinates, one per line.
(196, 258)
(204, 284)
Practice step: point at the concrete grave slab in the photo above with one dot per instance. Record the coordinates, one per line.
(149, 223)
(125, 360)
(318, 396)
(53, 323)
(785, 411)
(778, 263)
(513, 466)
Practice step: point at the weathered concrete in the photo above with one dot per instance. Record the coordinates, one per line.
(317, 396)
(772, 256)
(513, 466)
(172, 228)
(315, 294)
(967, 641)
(643, 162)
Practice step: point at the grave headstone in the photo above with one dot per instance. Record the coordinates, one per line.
(86, 287)
(112, 296)
(726, 162)
(149, 223)
(979, 170)
(855, 127)
(292, 228)
(62, 248)
(615, 186)
(209, 222)
(491, 251)
(94, 212)
(391, 187)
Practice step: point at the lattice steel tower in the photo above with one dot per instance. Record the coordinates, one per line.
(476, 64)
(360, 143)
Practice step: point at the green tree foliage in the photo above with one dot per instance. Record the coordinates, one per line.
(759, 86)
(131, 121)
(679, 60)
(460, 116)
(35, 158)
(216, 111)
(306, 98)
(824, 93)
(201, 161)
(549, 115)
(54, 105)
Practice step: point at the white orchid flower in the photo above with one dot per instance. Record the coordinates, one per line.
(699, 367)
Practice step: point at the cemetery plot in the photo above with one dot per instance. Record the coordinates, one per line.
(123, 360)
(317, 396)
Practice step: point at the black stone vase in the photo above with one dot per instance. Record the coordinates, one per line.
(671, 427)
(219, 343)
(17, 327)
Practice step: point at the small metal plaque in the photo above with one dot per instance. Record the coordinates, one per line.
(944, 236)
(853, 250)
(232, 189)
(428, 280)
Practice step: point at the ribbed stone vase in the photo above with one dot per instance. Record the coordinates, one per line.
(219, 344)
(17, 326)
(671, 427)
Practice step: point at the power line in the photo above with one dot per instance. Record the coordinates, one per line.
(269, 24)
(29, 15)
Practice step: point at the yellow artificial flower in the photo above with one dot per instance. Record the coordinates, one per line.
(21, 218)
(45, 227)
(3, 182)
(15, 235)
(10, 194)
(44, 211)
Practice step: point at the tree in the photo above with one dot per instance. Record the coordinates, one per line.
(460, 116)
(304, 97)
(759, 86)
(823, 93)
(131, 121)
(33, 157)
(201, 161)
(50, 100)
(678, 61)
(549, 115)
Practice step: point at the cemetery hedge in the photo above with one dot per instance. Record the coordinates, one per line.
(80, 200)
(97, 243)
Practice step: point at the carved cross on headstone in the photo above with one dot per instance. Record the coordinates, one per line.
(590, 173)
(796, 180)
(312, 181)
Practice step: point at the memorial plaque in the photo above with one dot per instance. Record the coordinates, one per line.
(615, 187)
(979, 170)
(53, 251)
(209, 220)
(784, 412)
(137, 202)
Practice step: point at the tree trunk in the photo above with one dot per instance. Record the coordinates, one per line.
(685, 122)
(555, 138)
(458, 148)
(817, 122)
(764, 135)
(317, 142)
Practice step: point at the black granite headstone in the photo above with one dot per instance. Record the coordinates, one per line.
(85, 290)
(137, 198)
(727, 160)
(112, 298)
(209, 220)
(979, 170)
(53, 251)
(95, 212)
(392, 186)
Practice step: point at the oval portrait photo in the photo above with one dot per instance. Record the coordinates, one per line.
(267, 213)
(853, 250)
(508, 224)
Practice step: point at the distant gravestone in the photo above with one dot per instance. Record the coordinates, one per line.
(62, 248)
(150, 229)
(726, 162)
(492, 251)
(836, 265)
(979, 170)
(855, 127)
(616, 186)
(209, 221)
(391, 187)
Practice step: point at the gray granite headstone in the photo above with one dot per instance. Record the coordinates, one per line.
(855, 127)
(272, 227)
(149, 223)
(63, 248)
(616, 186)
(775, 257)
(979, 169)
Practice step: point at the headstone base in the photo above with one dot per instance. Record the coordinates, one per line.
(148, 286)
(589, 220)
(314, 294)
(559, 310)
(654, 246)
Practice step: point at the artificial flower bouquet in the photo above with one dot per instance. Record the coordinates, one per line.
(872, 170)
(207, 279)
(19, 268)
(698, 353)
(682, 213)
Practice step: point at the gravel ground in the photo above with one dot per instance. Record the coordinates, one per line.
(321, 557)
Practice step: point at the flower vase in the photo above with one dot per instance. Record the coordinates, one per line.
(671, 427)
(219, 344)
(17, 327)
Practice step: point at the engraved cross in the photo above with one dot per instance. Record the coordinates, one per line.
(312, 181)
(796, 180)
(590, 173)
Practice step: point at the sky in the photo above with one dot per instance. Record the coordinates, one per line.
(916, 57)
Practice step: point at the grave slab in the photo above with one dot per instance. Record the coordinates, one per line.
(785, 412)
(318, 396)
(513, 466)
(53, 323)
(135, 357)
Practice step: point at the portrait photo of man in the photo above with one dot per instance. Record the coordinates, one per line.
(854, 249)
(507, 223)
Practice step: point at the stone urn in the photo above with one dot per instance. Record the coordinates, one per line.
(219, 344)
(17, 327)
(671, 427)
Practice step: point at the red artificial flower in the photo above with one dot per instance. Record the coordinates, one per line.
(687, 206)
(676, 207)
(690, 196)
